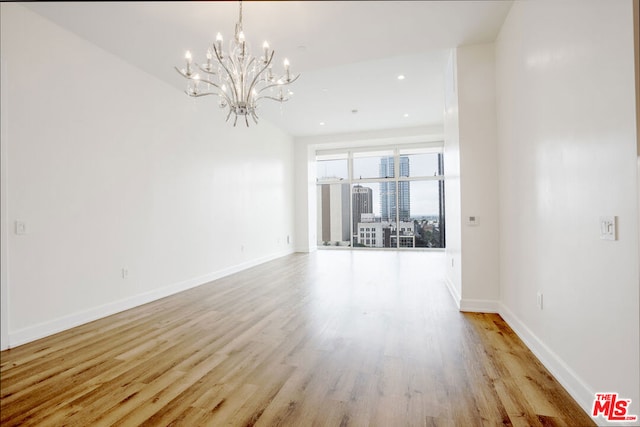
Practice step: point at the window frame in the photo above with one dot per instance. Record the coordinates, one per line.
(398, 151)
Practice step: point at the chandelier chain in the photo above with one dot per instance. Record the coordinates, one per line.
(239, 24)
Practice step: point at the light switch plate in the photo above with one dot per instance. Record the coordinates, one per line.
(473, 220)
(608, 228)
(21, 227)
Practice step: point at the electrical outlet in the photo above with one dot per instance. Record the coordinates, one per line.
(473, 220)
(539, 300)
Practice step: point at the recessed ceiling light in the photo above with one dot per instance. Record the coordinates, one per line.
(322, 123)
(324, 89)
(354, 111)
(400, 76)
(406, 114)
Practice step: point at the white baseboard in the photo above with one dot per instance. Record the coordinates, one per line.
(60, 324)
(479, 305)
(471, 305)
(453, 291)
(575, 386)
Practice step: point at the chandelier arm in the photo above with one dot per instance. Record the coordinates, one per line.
(199, 94)
(284, 82)
(246, 95)
(255, 79)
(220, 92)
(233, 69)
(233, 82)
(268, 87)
(292, 80)
(272, 98)
(279, 84)
(183, 74)
(246, 119)
(208, 82)
(202, 80)
(224, 96)
(204, 70)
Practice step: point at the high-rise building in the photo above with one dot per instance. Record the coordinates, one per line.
(386, 234)
(362, 203)
(388, 190)
(333, 214)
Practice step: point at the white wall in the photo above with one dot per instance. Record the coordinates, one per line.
(4, 229)
(471, 188)
(567, 155)
(453, 272)
(478, 177)
(306, 203)
(110, 169)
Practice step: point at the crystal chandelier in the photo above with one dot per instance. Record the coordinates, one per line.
(238, 78)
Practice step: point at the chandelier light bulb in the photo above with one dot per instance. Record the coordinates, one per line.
(219, 42)
(286, 70)
(187, 57)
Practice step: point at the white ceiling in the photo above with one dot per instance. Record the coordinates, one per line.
(349, 52)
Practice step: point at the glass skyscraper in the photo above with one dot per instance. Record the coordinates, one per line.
(388, 190)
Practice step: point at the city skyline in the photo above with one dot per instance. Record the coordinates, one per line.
(424, 200)
(375, 209)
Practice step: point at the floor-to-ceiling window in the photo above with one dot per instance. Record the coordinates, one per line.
(381, 198)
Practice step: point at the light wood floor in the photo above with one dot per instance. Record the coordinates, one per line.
(330, 339)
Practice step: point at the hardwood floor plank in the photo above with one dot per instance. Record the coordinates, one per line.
(333, 338)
